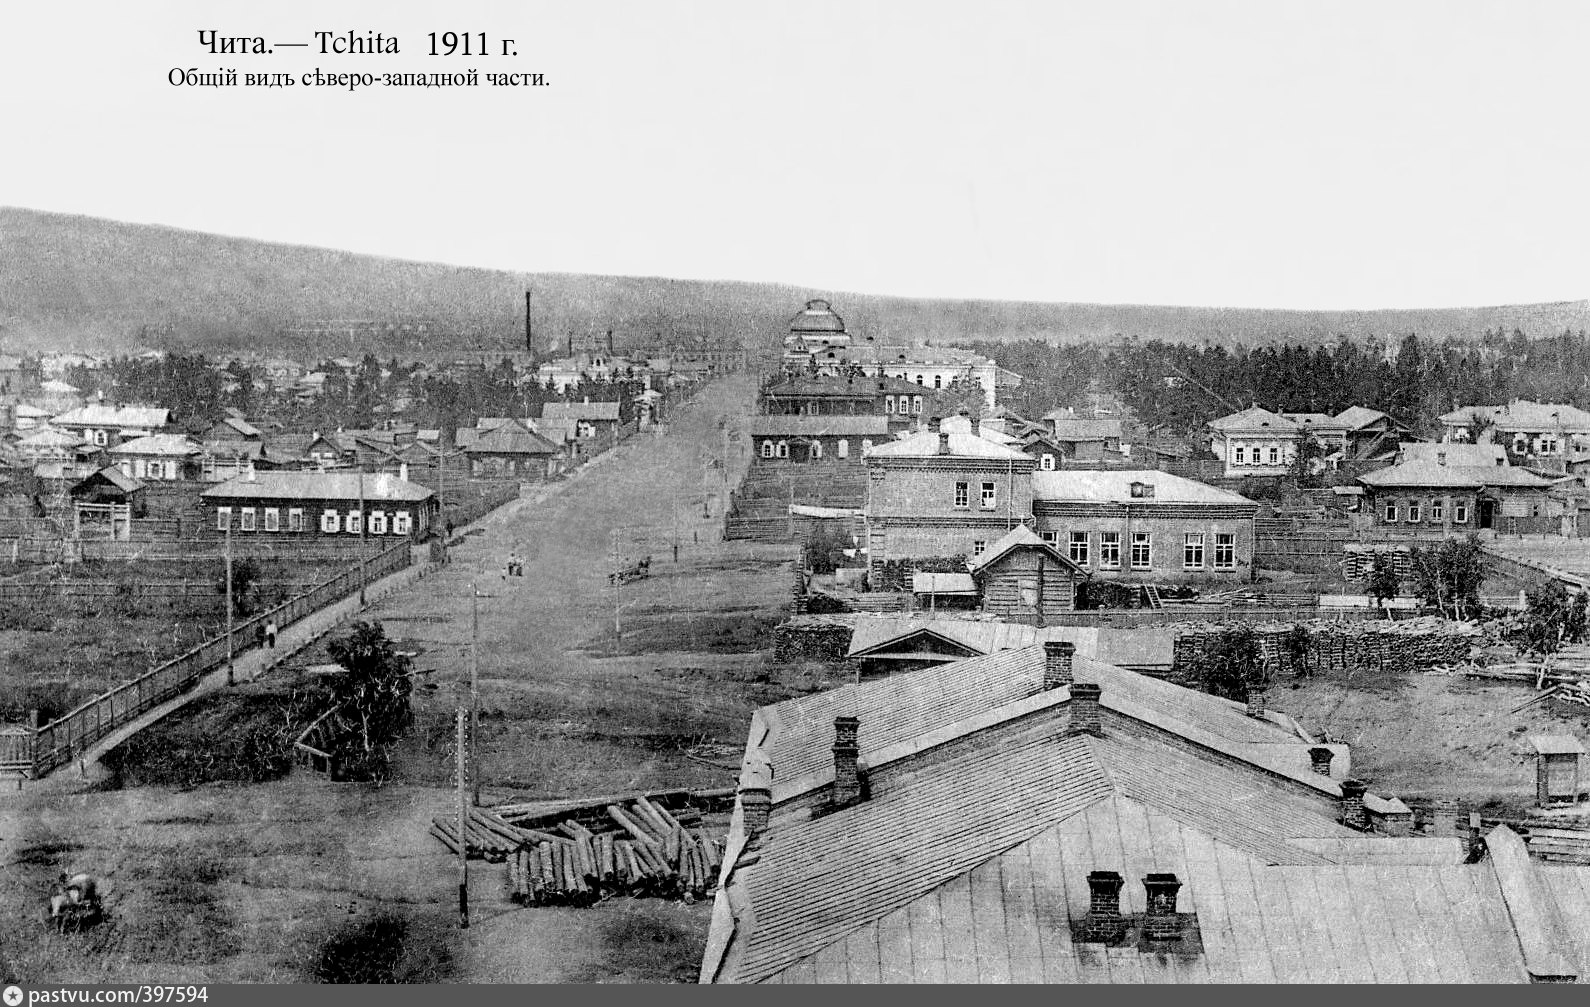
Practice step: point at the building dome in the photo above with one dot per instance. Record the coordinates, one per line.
(817, 316)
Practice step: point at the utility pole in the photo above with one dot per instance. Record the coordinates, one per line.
(617, 579)
(461, 771)
(361, 538)
(231, 672)
(474, 684)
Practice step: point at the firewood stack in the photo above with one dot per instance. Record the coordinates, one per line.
(642, 849)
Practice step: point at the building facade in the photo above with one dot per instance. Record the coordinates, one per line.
(1254, 442)
(327, 505)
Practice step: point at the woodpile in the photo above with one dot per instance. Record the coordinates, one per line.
(637, 847)
(1402, 646)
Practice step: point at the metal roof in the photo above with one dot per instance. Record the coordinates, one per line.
(943, 583)
(1115, 486)
(961, 445)
(162, 445)
(1254, 419)
(1556, 744)
(115, 416)
(786, 425)
(341, 486)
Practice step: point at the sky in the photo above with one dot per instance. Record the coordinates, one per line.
(1253, 154)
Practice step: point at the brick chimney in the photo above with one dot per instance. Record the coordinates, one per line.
(1103, 923)
(1353, 804)
(756, 804)
(1085, 708)
(1057, 656)
(847, 779)
(1257, 694)
(1320, 760)
(936, 427)
(1161, 923)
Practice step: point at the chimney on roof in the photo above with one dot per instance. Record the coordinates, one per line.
(756, 804)
(1057, 656)
(1103, 922)
(1257, 694)
(937, 427)
(847, 778)
(1320, 760)
(1353, 804)
(1161, 922)
(1085, 708)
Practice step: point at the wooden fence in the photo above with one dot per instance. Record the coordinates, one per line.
(133, 592)
(67, 737)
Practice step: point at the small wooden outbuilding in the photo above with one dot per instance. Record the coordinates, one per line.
(1025, 579)
(1556, 768)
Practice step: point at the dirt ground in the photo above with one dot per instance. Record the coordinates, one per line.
(295, 879)
(1427, 736)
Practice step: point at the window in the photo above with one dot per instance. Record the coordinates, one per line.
(295, 519)
(1046, 462)
(171, 470)
(905, 404)
(1050, 537)
(1275, 455)
(1142, 490)
(988, 498)
(1534, 508)
(378, 522)
(866, 445)
(817, 449)
(844, 448)
(330, 522)
(938, 381)
(916, 403)
(1460, 513)
(888, 403)
(1548, 445)
(919, 379)
(401, 523)
(246, 519)
(1109, 550)
(223, 518)
(1437, 511)
(1142, 550)
(783, 449)
(1225, 551)
(1192, 551)
(1242, 455)
(1078, 551)
(354, 524)
(1414, 510)
(1391, 512)
(767, 449)
(978, 546)
(962, 495)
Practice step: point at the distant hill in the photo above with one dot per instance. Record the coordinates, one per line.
(71, 282)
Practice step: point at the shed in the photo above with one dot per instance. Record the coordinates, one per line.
(1025, 578)
(1556, 768)
(957, 589)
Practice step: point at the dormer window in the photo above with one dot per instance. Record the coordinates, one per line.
(1142, 491)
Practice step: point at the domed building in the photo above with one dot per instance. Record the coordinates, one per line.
(816, 333)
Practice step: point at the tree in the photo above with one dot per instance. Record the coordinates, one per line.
(1384, 581)
(372, 693)
(1448, 577)
(1309, 451)
(1552, 617)
(245, 573)
(1231, 665)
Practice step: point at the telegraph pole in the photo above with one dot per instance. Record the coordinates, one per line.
(231, 672)
(474, 683)
(461, 771)
(362, 523)
(617, 630)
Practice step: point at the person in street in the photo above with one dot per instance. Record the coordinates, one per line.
(270, 634)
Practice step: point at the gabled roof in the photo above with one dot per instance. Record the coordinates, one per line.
(512, 438)
(50, 437)
(962, 445)
(969, 763)
(1019, 537)
(1124, 648)
(113, 475)
(1523, 415)
(1115, 486)
(1432, 474)
(243, 427)
(1358, 417)
(580, 411)
(1253, 419)
(343, 486)
(162, 445)
(1456, 453)
(141, 417)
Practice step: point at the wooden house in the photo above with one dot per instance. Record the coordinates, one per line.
(1025, 579)
(1556, 768)
(328, 505)
(159, 457)
(512, 451)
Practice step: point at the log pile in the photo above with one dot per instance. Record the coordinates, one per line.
(645, 851)
(1403, 646)
(638, 847)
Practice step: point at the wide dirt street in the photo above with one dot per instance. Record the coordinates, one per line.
(283, 881)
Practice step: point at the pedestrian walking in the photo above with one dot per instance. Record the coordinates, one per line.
(270, 634)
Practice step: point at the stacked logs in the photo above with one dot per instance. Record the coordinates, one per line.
(645, 852)
(488, 836)
(1405, 646)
